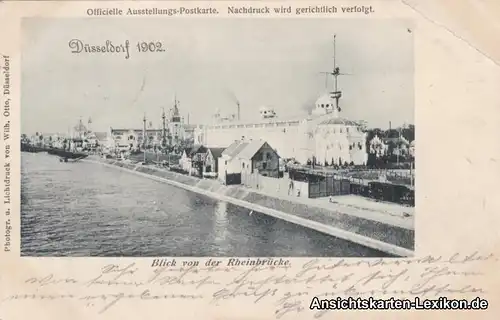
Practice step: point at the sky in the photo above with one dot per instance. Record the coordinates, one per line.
(209, 64)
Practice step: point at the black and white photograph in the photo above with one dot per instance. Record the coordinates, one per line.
(201, 137)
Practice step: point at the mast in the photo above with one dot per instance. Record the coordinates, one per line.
(176, 108)
(336, 72)
(176, 119)
(89, 123)
(79, 128)
(334, 61)
(68, 139)
(238, 106)
(163, 131)
(144, 136)
(399, 141)
(336, 93)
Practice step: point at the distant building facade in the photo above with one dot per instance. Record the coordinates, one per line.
(174, 133)
(134, 138)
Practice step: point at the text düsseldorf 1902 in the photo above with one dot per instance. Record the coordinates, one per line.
(442, 303)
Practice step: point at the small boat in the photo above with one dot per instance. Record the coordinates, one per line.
(64, 159)
(67, 155)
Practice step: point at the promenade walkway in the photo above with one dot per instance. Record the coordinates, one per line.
(391, 214)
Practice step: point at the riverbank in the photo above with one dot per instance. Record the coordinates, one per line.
(380, 235)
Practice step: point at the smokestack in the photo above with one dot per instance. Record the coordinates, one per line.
(238, 104)
(390, 126)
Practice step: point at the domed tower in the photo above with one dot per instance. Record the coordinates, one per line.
(216, 115)
(267, 113)
(176, 125)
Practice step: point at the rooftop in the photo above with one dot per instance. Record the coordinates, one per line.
(235, 148)
(216, 152)
(250, 149)
(339, 121)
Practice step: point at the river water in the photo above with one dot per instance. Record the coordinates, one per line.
(85, 209)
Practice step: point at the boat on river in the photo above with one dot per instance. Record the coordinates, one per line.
(26, 147)
(65, 155)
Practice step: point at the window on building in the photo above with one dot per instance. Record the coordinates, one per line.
(243, 165)
(264, 165)
(347, 130)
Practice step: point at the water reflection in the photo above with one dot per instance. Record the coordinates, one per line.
(221, 222)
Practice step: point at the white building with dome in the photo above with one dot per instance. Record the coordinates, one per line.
(323, 135)
(324, 104)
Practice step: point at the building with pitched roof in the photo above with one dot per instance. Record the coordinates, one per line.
(228, 163)
(246, 158)
(193, 158)
(211, 164)
(258, 158)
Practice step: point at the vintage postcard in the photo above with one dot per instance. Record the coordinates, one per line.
(249, 160)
